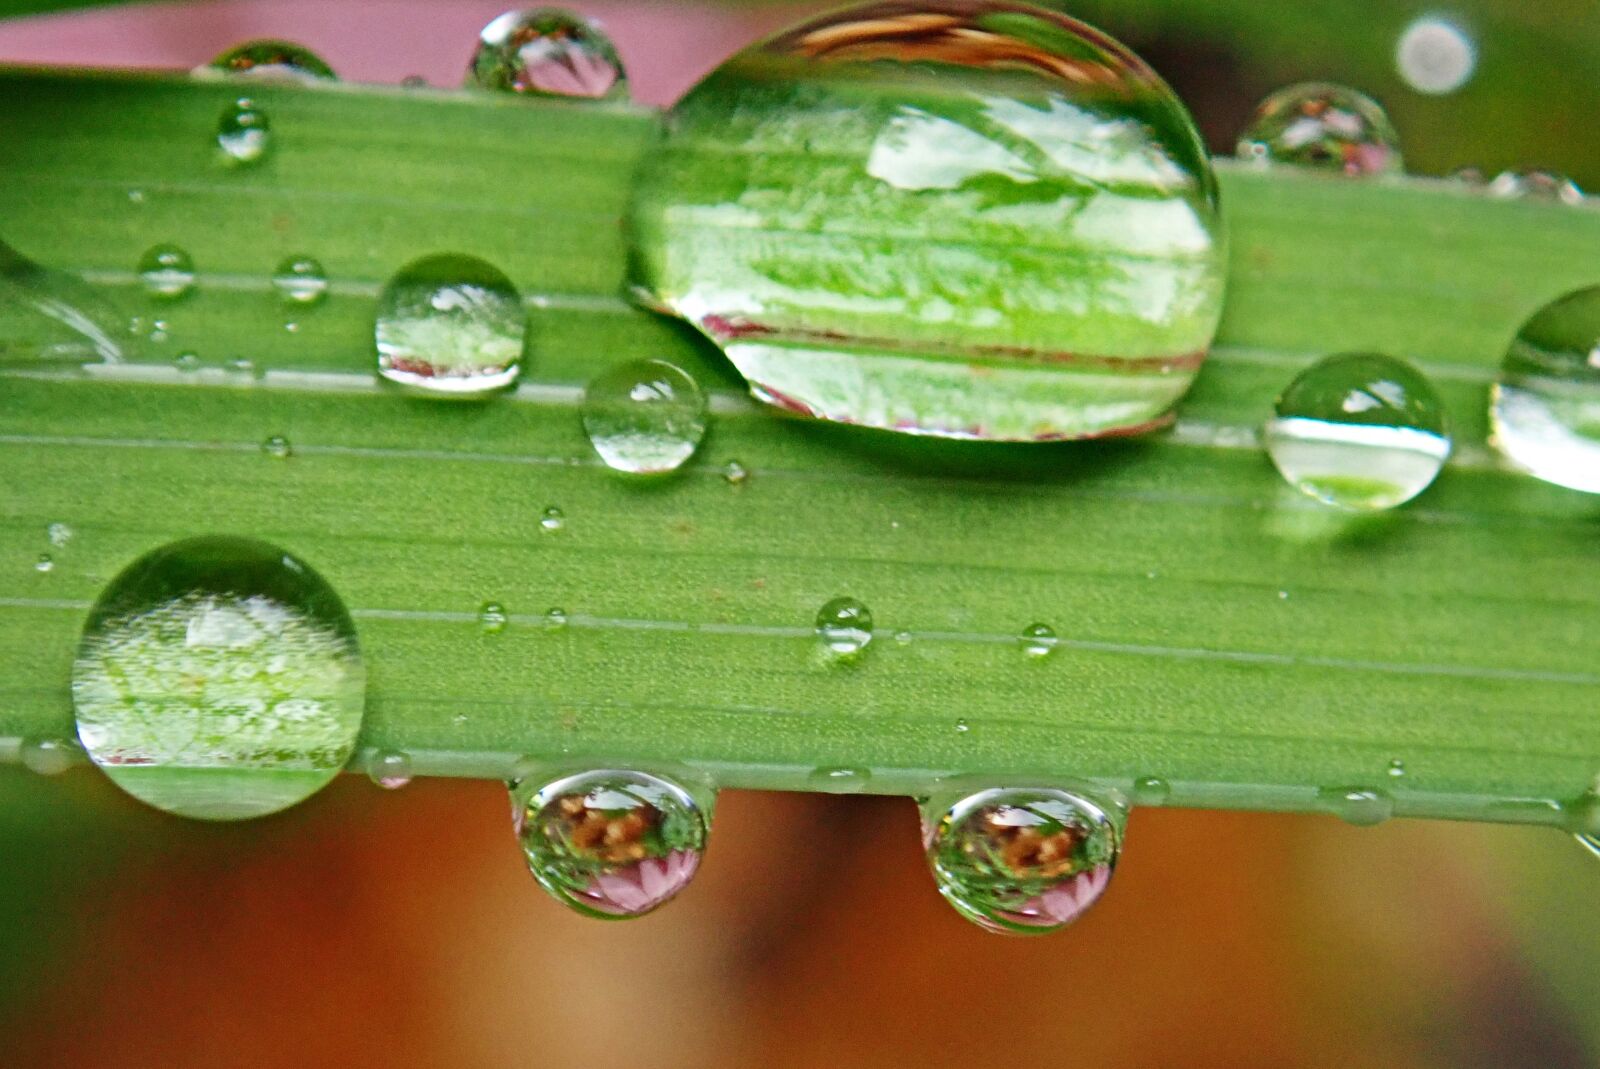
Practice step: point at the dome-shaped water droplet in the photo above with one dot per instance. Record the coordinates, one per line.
(555, 619)
(608, 843)
(645, 417)
(1435, 55)
(167, 272)
(962, 727)
(492, 617)
(44, 563)
(269, 60)
(1397, 768)
(973, 220)
(547, 52)
(450, 325)
(552, 520)
(1535, 185)
(277, 446)
(300, 280)
(219, 678)
(1322, 127)
(48, 757)
(51, 319)
(1039, 640)
(243, 133)
(1360, 806)
(1151, 790)
(1545, 406)
(735, 473)
(1022, 860)
(1360, 431)
(390, 769)
(844, 625)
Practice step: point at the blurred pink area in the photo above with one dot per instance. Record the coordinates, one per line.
(665, 47)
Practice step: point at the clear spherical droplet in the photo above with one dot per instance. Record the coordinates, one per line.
(277, 446)
(1435, 55)
(1039, 640)
(300, 280)
(1360, 806)
(844, 625)
(1360, 431)
(48, 757)
(167, 272)
(1322, 127)
(903, 269)
(269, 60)
(1023, 860)
(552, 520)
(1535, 185)
(610, 844)
(644, 418)
(1545, 405)
(390, 769)
(839, 780)
(547, 52)
(219, 678)
(450, 325)
(492, 617)
(244, 133)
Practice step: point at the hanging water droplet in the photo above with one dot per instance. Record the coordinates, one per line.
(244, 133)
(903, 269)
(1435, 55)
(50, 318)
(1535, 185)
(277, 446)
(1023, 860)
(844, 625)
(1322, 127)
(609, 843)
(492, 617)
(44, 563)
(645, 417)
(553, 519)
(219, 678)
(1151, 791)
(1360, 806)
(59, 534)
(450, 325)
(48, 757)
(735, 473)
(1039, 640)
(300, 280)
(167, 271)
(1360, 431)
(839, 780)
(555, 619)
(1545, 406)
(269, 60)
(390, 769)
(547, 52)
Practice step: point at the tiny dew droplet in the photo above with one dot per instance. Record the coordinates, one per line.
(555, 619)
(1359, 430)
(962, 727)
(547, 52)
(1039, 640)
(187, 361)
(390, 769)
(839, 780)
(135, 196)
(609, 843)
(844, 626)
(167, 272)
(1360, 806)
(492, 617)
(59, 534)
(735, 473)
(244, 133)
(48, 757)
(1151, 790)
(268, 60)
(645, 417)
(1535, 185)
(450, 325)
(1023, 860)
(553, 519)
(45, 563)
(1544, 404)
(300, 280)
(1322, 127)
(1397, 768)
(903, 638)
(277, 446)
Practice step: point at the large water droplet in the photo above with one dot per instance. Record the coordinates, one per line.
(269, 60)
(609, 843)
(1322, 127)
(1535, 185)
(50, 318)
(167, 271)
(973, 220)
(547, 52)
(219, 678)
(1435, 55)
(1359, 430)
(844, 625)
(644, 418)
(1545, 406)
(243, 133)
(300, 280)
(1022, 860)
(451, 325)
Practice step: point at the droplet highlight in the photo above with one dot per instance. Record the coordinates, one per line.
(244, 133)
(1360, 431)
(167, 272)
(1322, 127)
(269, 60)
(645, 417)
(1435, 55)
(1544, 408)
(547, 52)
(844, 626)
(300, 281)
(450, 325)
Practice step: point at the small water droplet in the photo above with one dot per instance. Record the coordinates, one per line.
(1151, 791)
(158, 330)
(962, 727)
(48, 757)
(547, 52)
(300, 280)
(553, 519)
(1022, 860)
(1039, 640)
(609, 843)
(1397, 768)
(243, 365)
(167, 272)
(492, 617)
(903, 638)
(1360, 806)
(390, 769)
(1435, 55)
(187, 361)
(735, 473)
(555, 619)
(45, 563)
(244, 133)
(844, 626)
(450, 325)
(59, 534)
(268, 60)
(1535, 185)
(1544, 405)
(277, 446)
(219, 678)
(135, 196)
(1283, 595)
(1322, 127)
(839, 780)
(1359, 430)
(644, 418)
